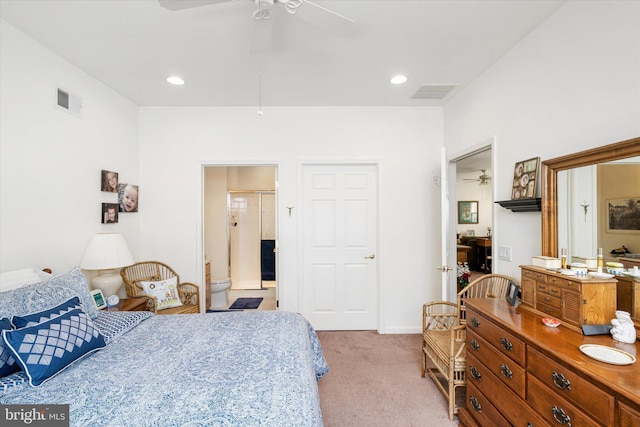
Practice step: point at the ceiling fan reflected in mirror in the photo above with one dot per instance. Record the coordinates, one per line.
(263, 7)
(483, 179)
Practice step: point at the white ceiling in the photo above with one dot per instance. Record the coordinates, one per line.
(314, 58)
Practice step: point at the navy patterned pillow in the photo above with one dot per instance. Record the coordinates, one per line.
(8, 364)
(42, 316)
(45, 349)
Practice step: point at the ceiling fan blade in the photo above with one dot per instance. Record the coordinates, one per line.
(329, 10)
(188, 4)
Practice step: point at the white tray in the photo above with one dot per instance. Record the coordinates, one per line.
(606, 354)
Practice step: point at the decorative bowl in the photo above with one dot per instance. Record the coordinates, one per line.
(551, 322)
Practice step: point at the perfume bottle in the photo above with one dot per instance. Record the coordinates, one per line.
(563, 257)
(600, 260)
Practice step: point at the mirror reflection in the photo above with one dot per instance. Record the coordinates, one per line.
(591, 200)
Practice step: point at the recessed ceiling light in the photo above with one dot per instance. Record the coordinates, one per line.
(175, 80)
(398, 80)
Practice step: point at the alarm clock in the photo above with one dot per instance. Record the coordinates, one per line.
(113, 300)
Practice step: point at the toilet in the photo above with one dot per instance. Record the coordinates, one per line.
(219, 297)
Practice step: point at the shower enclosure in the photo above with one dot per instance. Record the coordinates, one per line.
(252, 237)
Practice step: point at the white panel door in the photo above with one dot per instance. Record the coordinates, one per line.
(339, 238)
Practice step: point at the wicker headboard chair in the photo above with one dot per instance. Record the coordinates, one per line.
(154, 271)
(444, 335)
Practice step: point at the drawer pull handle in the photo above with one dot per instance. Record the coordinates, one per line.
(506, 344)
(547, 298)
(560, 381)
(475, 345)
(475, 404)
(475, 322)
(547, 309)
(475, 373)
(555, 291)
(506, 372)
(561, 417)
(529, 425)
(540, 286)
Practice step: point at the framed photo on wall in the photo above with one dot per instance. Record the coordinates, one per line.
(623, 215)
(109, 213)
(467, 212)
(109, 181)
(525, 179)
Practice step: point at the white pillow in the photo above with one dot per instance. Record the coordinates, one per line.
(19, 278)
(166, 292)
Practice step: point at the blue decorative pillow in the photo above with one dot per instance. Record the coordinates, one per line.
(45, 349)
(44, 295)
(42, 316)
(8, 364)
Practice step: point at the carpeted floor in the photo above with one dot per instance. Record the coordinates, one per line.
(374, 380)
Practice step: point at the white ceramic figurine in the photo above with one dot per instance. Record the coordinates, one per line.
(623, 329)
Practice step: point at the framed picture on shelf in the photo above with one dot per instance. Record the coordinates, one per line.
(525, 179)
(467, 212)
(623, 215)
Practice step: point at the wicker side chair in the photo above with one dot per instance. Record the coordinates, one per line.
(132, 275)
(444, 335)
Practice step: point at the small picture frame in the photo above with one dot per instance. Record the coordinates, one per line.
(109, 213)
(512, 293)
(468, 212)
(98, 299)
(109, 181)
(525, 179)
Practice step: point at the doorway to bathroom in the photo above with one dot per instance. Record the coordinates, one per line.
(240, 230)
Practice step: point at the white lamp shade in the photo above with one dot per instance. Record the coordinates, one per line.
(106, 251)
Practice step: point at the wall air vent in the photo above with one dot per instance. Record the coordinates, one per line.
(433, 91)
(68, 102)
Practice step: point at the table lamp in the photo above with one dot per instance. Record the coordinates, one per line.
(106, 253)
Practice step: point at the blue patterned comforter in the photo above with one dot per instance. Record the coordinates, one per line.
(219, 369)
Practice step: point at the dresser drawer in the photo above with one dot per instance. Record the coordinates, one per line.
(550, 300)
(482, 410)
(574, 388)
(505, 369)
(507, 403)
(553, 408)
(628, 416)
(549, 310)
(504, 341)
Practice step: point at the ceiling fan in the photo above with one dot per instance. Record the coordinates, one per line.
(481, 180)
(263, 7)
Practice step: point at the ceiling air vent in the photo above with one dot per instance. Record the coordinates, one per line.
(433, 91)
(68, 102)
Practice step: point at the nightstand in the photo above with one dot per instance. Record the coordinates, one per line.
(130, 304)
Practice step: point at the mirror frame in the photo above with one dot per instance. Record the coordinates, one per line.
(549, 172)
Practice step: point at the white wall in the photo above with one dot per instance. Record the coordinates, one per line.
(50, 160)
(175, 142)
(572, 84)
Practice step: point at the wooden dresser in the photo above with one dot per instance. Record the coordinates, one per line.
(522, 373)
(574, 301)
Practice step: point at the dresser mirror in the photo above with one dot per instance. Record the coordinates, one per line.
(551, 175)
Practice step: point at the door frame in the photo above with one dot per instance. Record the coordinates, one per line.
(200, 188)
(300, 232)
(450, 238)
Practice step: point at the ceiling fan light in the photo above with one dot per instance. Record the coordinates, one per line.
(175, 80)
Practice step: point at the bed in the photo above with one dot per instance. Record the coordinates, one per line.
(256, 368)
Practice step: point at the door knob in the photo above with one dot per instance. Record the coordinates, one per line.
(370, 256)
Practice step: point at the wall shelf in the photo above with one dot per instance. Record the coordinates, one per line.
(522, 205)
